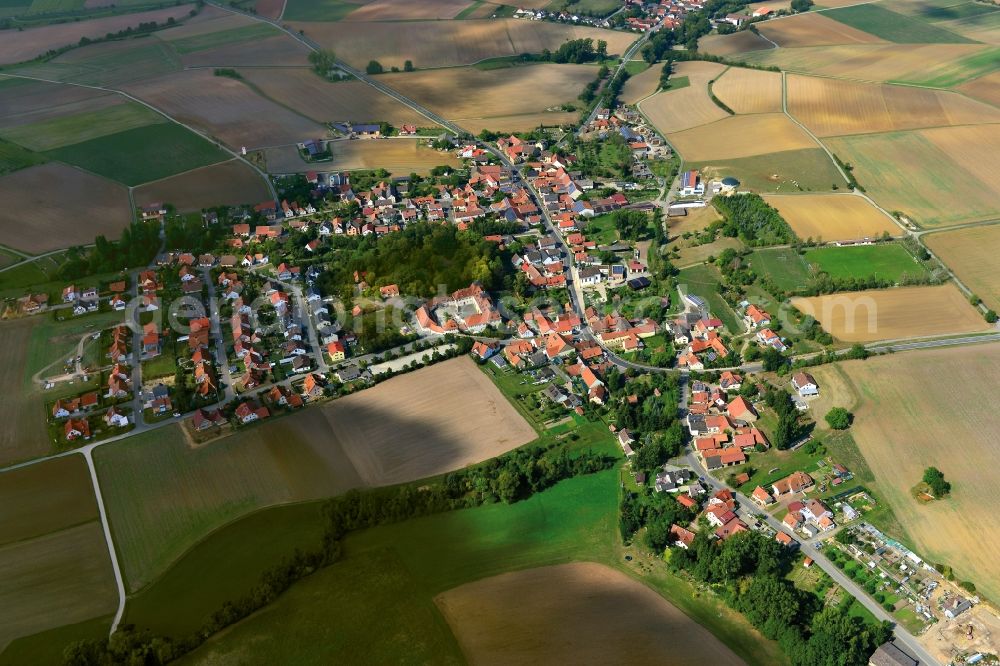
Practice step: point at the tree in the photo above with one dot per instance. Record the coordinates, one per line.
(801, 5)
(990, 316)
(322, 61)
(374, 67)
(839, 418)
(772, 359)
(934, 478)
(408, 66)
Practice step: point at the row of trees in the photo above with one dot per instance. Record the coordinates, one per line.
(751, 219)
(138, 246)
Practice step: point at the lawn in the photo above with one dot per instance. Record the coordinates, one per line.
(142, 154)
(784, 266)
(677, 82)
(885, 261)
(704, 281)
(385, 584)
(634, 67)
(894, 27)
(601, 229)
(323, 10)
(47, 647)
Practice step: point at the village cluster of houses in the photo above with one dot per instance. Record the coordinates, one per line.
(469, 310)
(722, 426)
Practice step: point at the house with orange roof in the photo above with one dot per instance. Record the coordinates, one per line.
(755, 317)
(741, 411)
(76, 429)
(761, 496)
(793, 483)
(681, 537)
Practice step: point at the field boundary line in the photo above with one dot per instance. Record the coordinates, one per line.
(106, 526)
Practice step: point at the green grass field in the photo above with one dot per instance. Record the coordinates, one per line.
(946, 75)
(703, 281)
(386, 583)
(894, 27)
(951, 12)
(13, 157)
(47, 647)
(634, 67)
(143, 154)
(213, 40)
(677, 82)
(311, 10)
(76, 128)
(885, 261)
(784, 266)
(805, 170)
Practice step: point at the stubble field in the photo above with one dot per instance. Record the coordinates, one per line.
(325, 102)
(40, 207)
(830, 107)
(453, 42)
(468, 96)
(901, 431)
(679, 110)
(736, 43)
(893, 168)
(890, 314)
(813, 29)
(642, 85)
(832, 217)
(972, 254)
(580, 612)
(398, 156)
(749, 90)
(452, 416)
(231, 183)
(741, 136)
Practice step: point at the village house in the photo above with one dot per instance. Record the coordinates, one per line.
(805, 384)
(795, 482)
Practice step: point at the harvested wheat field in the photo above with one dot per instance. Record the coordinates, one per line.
(424, 423)
(17, 46)
(741, 136)
(986, 88)
(231, 183)
(398, 156)
(892, 314)
(749, 90)
(642, 85)
(470, 94)
(893, 168)
(522, 122)
(935, 65)
(695, 220)
(395, 10)
(832, 217)
(972, 254)
(830, 107)
(454, 43)
(323, 101)
(684, 108)
(225, 109)
(574, 613)
(52, 205)
(736, 43)
(923, 409)
(974, 148)
(813, 29)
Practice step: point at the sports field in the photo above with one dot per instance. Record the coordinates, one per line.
(468, 95)
(678, 110)
(972, 254)
(18, 46)
(741, 136)
(830, 107)
(386, 583)
(454, 42)
(749, 90)
(832, 217)
(805, 170)
(52, 550)
(231, 183)
(40, 207)
(890, 314)
(324, 102)
(885, 261)
(902, 431)
(398, 156)
(425, 435)
(142, 154)
(226, 109)
(813, 29)
(574, 613)
(944, 195)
